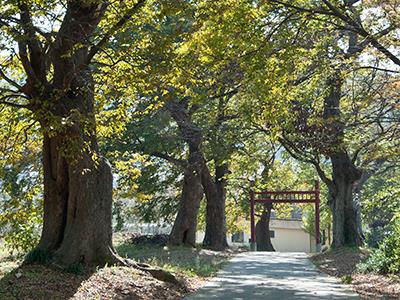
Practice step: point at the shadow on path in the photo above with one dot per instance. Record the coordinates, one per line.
(272, 275)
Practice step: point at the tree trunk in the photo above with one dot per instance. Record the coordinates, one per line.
(345, 229)
(77, 181)
(77, 206)
(185, 225)
(55, 194)
(262, 230)
(344, 172)
(215, 235)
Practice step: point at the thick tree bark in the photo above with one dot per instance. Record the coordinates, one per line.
(77, 182)
(215, 191)
(55, 171)
(77, 179)
(215, 237)
(344, 173)
(262, 230)
(345, 228)
(185, 225)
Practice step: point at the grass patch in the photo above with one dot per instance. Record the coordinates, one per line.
(38, 256)
(187, 261)
(42, 281)
(346, 279)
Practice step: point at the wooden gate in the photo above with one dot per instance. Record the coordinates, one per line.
(286, 197)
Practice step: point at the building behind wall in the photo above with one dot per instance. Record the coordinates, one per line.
(287, 235)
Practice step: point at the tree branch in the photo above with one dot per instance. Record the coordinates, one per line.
(178, 162)
(322, 175)
(302, 9)
(3, 100)
(353, 25)
(35, 60)
(314, 162)
(96, 48)
(9, 80)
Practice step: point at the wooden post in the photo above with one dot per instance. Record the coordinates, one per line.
(252, 223)
(317, 217)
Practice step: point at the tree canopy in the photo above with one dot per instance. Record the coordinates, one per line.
(192, 104)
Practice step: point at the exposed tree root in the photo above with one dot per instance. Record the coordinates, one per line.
(44, 258)
(157, 273)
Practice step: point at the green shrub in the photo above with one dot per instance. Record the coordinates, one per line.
(21, 238)
(375, 235)
(385, 259)
(347, 279)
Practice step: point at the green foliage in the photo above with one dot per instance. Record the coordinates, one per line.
(346, 279)
(21, 210)
(385, 259)
(381, 200)
(23, 237)
(375, 235)
(20, 183)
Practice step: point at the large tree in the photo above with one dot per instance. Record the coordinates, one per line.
(189, 85)
(48, 51)
(349, 140)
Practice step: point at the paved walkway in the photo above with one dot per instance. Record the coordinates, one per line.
(272, 276)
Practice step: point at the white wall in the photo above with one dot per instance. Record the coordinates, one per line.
(289, 237)
(291, 240)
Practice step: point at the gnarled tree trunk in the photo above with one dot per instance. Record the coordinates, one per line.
(215, 191)
(77, 181)
(185, 225)
(262, 230)
(345, 226)
(344, 173)
(59, 85)
(215, 236)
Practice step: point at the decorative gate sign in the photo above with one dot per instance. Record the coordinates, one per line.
(286, 197)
